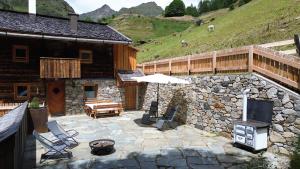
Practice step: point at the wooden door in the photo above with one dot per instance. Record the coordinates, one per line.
(56, 98)
(130, 97)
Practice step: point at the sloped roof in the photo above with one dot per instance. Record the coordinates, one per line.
(18, 22)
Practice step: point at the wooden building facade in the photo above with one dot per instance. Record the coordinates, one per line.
(42, 63)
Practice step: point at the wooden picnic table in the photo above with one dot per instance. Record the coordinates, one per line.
(103, 108)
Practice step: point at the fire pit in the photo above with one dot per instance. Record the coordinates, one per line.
(102, 146)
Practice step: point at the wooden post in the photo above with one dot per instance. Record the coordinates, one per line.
(250, 59)
(154, 67)
(189, 65)
(214, 64)
(143, 68)
(170, 67)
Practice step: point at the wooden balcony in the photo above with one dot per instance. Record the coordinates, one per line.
(60, 68)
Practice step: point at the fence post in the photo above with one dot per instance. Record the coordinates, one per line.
(250, 59)
(214, 64)
(143, 67)
(154, 67)
(170, 66)
(189, 65)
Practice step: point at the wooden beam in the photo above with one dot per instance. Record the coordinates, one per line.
(189, 65)
(214, 65)
(276, 77)
(250, 59)
(170, 67)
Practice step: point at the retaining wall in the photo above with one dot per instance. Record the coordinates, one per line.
(213, 103)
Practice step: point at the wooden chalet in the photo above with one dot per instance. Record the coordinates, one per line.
(63, 61)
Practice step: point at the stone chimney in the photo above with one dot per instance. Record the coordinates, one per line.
(73, 21)
(32, 7)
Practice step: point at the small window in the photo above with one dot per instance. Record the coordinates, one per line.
(86, 56)
(90, 91)
(22, 91)
(20, 53)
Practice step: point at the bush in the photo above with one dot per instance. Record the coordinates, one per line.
(231, 7)
(35, 103)
(295, 160)
(176, 8)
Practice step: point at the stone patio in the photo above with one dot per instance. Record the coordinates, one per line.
(139, 146)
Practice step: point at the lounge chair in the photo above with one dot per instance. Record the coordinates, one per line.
(167, 120)
(55, 149)
(297, 43)
(152, 112)
(67, 137)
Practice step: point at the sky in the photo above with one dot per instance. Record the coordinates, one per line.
(82, 6)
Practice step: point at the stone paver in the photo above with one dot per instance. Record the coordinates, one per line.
(141, 147)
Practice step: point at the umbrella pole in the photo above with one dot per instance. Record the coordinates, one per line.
(157, 99)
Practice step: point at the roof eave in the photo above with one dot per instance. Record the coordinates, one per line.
(63, 38)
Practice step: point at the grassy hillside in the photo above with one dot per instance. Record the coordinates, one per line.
(146, 28)
(146, 9)
(58, 8)
(258, 22)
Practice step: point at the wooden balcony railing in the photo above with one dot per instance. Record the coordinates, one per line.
(268, 62)
(60, 68)
(13, 132)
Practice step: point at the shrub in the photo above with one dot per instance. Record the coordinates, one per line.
(231, 7)
(295, 160)
(35, 103)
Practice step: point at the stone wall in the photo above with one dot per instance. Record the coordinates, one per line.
(213, 103)
(107, 90)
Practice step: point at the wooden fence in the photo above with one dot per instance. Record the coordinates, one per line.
(5, 107)
(13, 132)
(273, 64)
(60, 68)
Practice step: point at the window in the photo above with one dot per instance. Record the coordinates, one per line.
(22, 91)
(86, 56)
(20, 53)
(90, 91)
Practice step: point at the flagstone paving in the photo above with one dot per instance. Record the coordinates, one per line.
(141, 147)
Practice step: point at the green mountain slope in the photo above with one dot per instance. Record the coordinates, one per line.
(146, 9)
(257, 22)
(141, 28)
(58, 8)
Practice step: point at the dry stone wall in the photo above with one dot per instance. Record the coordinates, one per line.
(107, 90)
(213, 103)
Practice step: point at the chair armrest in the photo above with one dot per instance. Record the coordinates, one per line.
(65, 136)
(72, 133)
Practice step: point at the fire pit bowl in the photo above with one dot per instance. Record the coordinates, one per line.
(102, 146)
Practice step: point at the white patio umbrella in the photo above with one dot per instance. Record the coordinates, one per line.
(160, 79)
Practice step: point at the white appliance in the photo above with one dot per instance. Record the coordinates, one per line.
(253, 132)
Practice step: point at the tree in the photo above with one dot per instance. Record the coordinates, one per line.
(192, 10)
(176, 8)
(204, 6)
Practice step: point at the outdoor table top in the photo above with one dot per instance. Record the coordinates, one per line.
(101, 104)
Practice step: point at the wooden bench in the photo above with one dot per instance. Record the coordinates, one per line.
(102, 108)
